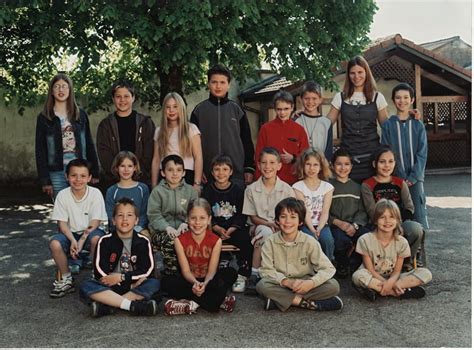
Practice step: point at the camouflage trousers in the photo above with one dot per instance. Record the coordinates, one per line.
(163, 243)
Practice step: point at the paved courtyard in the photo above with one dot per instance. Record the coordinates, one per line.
(29, 318)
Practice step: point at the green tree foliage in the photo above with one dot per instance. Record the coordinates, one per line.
(164, 45)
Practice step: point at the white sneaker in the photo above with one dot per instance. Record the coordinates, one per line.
(239, 285)
(62, 287)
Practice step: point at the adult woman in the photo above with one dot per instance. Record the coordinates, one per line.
(360, 107)
(62, 134)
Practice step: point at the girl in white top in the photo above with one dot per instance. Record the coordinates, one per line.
(313, 169)
(177, 136)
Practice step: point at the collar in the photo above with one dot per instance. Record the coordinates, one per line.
(165, 184)
(300, 238)
(259, 187)
(215, 100)
(281, 122)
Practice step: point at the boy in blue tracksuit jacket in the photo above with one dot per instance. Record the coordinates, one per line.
(407, 137)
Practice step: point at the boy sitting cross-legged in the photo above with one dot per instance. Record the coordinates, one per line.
(79, 210)
(295, 271)
(226, 199)
(260, 200)
(123, 264)
(166, 211)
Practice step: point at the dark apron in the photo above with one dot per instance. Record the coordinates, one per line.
(359, 136)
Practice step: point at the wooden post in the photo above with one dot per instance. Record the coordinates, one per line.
(435, 118)
(452, 126)
(418, 103)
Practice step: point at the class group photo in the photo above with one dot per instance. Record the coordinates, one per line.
(242, 174)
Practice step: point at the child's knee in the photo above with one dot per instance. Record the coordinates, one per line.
(55, 246)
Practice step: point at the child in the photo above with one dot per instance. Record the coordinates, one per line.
(177, 136)
(384, 185)
(283, 134)
(79, 210)
(224, 126)
(347, 215)
(226, 199)
(126, 168)
(125, 130)
(360, 106)
(316, 194)
(260, 200)
(317, 127)
(407, 135)
(200, 282)
(383, 252)
(62, 134)
(294, 269)
(167, 209)
(122, 268)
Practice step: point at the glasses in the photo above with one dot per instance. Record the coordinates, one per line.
(63, 87)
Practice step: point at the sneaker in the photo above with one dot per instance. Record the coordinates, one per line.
(419, 260)
(269, 304)
(334, 303)
(342, 271)
(144, 308)
(62, 287)
(413, 293)
(179, 307)
(99, 309)
(239, 285)
(252, 285)
(75, 269)
(229, 303)
(368, 293)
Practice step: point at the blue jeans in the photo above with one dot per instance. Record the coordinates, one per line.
(58, 181)
(325, 240)
(66, 243)
(147, 289)
(418, 197)
(344, 243)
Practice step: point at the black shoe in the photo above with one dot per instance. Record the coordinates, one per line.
(252, 285)
(342, 271)
(99, 309)
(413, 293)
(269, 304)
(368, 293)
(331, 304)
(144, 308)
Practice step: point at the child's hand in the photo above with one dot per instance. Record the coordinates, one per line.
(74, 249)
(171, 232)
(409, 183)
(387, 288)
(416, 113)
(230, 231)
(286, 157)
(274, 227)
(112, 279)
(303, 286)
(398, 290)
(197, 188)
(48, 189)
(94, 180)
(182, 228)
(199, 288)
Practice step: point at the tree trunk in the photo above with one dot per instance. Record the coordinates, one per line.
(171, 81)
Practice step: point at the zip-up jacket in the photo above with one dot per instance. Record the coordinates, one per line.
(408, 141)
(108, 145)
(225, 130)
(49, 145)
(167, 206)
(108, 252)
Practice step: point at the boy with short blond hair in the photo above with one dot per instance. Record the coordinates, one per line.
(79, 210)
(260, 200)
(122, 269)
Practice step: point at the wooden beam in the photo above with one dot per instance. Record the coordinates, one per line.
(447, 137)
(443, 82)
(443, 99)
(418, 97)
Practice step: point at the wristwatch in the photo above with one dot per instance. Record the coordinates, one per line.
(355, 225)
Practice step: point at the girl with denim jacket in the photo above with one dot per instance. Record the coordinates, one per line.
(62, 134)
